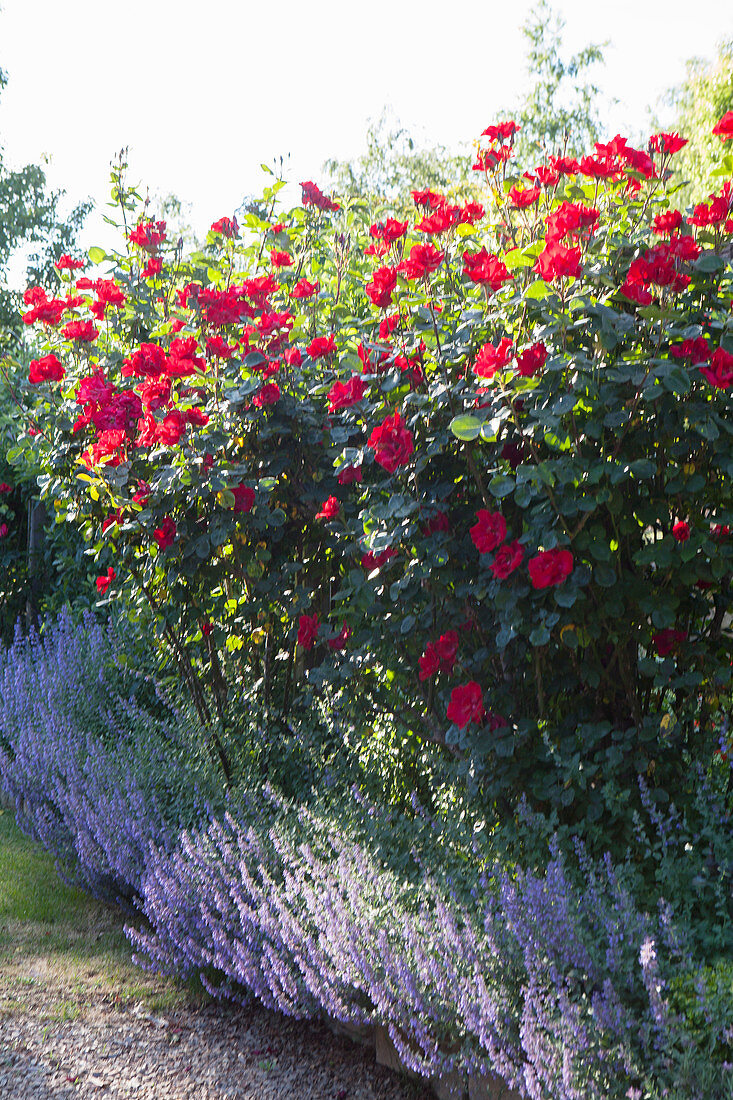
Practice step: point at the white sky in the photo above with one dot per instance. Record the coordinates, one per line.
(202, 93)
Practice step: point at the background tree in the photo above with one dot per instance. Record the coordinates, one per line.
(394, 164)
(29, 215)
(699, 102)
(560, 109)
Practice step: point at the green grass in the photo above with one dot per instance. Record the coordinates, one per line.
(58, 941)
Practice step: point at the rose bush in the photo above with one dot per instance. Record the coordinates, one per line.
(508, 412)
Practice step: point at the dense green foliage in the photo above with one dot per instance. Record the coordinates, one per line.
(699, 101)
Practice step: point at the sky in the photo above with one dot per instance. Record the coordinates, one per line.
(203, 93)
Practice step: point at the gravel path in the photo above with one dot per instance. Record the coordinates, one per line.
(215, 1052)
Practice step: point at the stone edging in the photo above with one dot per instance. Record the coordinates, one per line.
(452, 1086)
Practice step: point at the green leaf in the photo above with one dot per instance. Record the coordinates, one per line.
(708, 262)
(97, 254)
(466, 427)
(538, 289)
(643, 468)
(604, 575)
(501, 486)
(540, 635)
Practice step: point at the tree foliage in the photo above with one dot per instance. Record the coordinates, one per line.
(700, 100)
(559, 112)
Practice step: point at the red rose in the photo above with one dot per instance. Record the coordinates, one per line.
(485, 267)
(244, 498)
(429, 663)
(667, 143)
(153, 267)
(322, 345)
(720, 371)
(681, 531)
(724, 128)
(104, 582)
(228, 227)
(329, 509)
(269, 394)
(311, 195)
(466, 704)
(422, 261)
(4, 529)
(668, 223)
(379, 290)
(371, 561)
(340, 640)
(304, 289)
(349, 474)
(389, 231)
(66, 263)
(148, 235)
(522, 197)
(5, 488)
(665, 641)
(307, 630)
(292, 357)
(570, 219)
(447, 649)
(489, 531)
(81, 331)
(47, 369)
(507, 558)
(343, 394)
(172, 428)
(556, 261)
(492, 358)
(532, 360)
(392, 443)
(550, 567)
(165, 534)
(280, 259)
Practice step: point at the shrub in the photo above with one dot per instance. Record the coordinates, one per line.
(474, 476)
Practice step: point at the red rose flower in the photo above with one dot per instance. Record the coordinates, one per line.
(292, 357)
(307, 630)
(339, 642)
(81, 331)
(681, 531)
(492, 358)
(556, 261)
(171, 429)
(392, 443)
(321, 346)
(5, 488)
(148, 235)
(153, 267)
(228, 227)
(311, 195)
(550, 567)
(724, 128)
(244, 498)
(4, 529)
(489, 531)
(269, 394)
(343, 394)
(47, 369)
(532, 360)
(522, 197)
(379, 290)
(104, 582)
(329, 509)
(466, 704)
(66, 263)
(506, 560)
(429, 663)
(667, 143)
(447, 649)
(370, 561)
(485, 267)
(667, 223)
(666, 641)
(422, 261)
(720, 371)
(304, 289)
(349, 474)
(165, 534)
